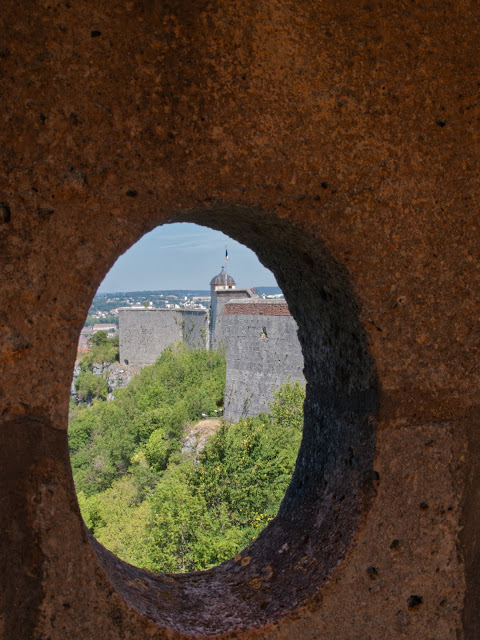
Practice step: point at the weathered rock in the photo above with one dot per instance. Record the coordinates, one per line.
(339, 142)
(263, 352)
(116, 374)
(197, 435)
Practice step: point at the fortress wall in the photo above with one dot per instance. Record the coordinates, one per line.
(218, 333)
(195, 328)
(255, 308)
(145, 333)
(263, 351)
(219, 301)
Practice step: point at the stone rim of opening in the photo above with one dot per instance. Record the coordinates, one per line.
(332, 484)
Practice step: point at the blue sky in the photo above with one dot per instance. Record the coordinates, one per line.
(183, 256)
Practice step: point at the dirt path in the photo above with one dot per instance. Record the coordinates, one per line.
(196, 436)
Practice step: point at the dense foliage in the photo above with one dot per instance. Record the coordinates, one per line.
(103, 351)
(146, 418)
(163, 510)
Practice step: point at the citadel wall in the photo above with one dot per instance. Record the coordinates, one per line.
(220, 298)
(195, 328)
(260, 337)
(145, 333)
(263, 352)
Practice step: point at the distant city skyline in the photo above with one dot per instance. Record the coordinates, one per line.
(184, 256)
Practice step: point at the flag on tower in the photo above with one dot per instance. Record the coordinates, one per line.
(226, 255)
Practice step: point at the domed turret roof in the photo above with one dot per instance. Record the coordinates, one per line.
(222, 279)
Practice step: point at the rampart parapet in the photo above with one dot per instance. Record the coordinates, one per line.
(263, 352)
(259, 336)
(145, 333)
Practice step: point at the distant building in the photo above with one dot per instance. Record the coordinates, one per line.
(262, 351)
(109, 327)
(222, 289)
(83, 342)
(87, 332)
(259, 335)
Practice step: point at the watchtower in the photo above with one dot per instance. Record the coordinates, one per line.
(222, 289)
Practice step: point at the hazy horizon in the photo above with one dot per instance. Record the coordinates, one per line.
(125, 291)
(183, 256)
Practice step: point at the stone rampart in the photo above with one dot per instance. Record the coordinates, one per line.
(260, 337)
(195, 328)
(263, 352)
(219, 300)
(145, 333)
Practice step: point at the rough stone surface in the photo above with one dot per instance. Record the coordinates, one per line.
(197, 435)
(339, 141)
(116, 375)
(219, 300)
(145, 333)
(262, 352)
(195, 328)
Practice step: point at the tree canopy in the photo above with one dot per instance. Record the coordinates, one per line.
(162, 509)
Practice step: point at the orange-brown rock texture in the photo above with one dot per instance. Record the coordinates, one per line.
(339, 140)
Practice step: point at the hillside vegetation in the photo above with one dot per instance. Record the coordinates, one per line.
(160, 509)
(103, 350)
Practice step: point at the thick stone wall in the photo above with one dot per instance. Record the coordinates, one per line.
(219, 299)
(263, 352)
(195, 328)
(145, 333)
(260, 338)
(339, 141)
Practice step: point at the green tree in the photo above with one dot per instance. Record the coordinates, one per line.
(119, 520)
(177, 389)
(103, 349)
(206, 513)
(286, 409)
(178, 515)
(150, 504)
(89, 386)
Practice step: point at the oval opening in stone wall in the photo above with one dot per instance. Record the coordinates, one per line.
(187, 401)
(331, 487)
